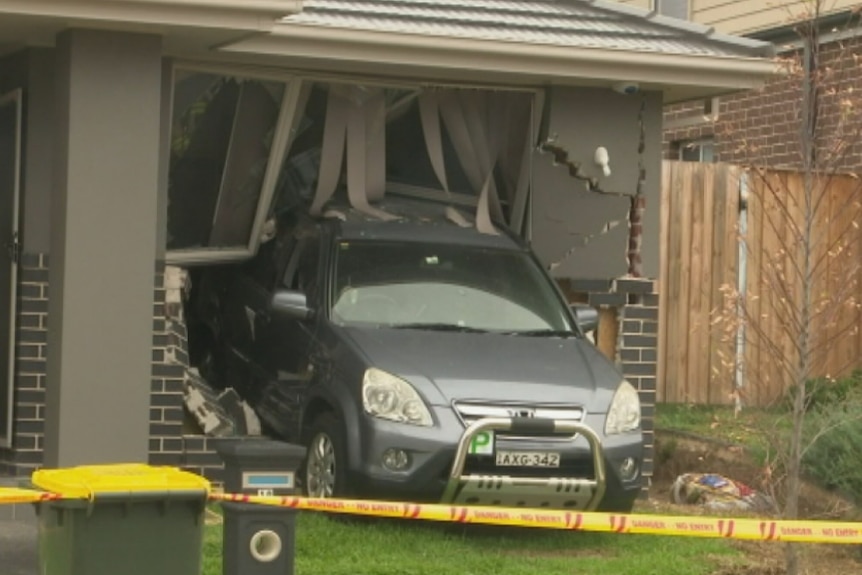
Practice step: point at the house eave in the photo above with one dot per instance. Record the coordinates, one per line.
(451, 58)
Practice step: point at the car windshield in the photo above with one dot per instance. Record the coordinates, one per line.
(439, 286)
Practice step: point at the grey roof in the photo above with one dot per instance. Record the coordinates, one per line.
(569, 23)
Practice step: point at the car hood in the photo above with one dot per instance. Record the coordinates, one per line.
(447, 366)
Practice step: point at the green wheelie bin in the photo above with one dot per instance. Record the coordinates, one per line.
(131, 519)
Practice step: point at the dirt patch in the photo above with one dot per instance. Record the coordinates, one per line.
(680, 453)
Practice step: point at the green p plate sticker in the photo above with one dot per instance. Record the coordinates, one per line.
(482, 443)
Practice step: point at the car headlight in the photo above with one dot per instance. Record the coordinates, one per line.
(624, 413)
(389, 397)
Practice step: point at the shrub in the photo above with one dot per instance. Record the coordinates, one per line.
(823, 392)
(834, 457)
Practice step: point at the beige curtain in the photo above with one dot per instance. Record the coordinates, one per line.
(355, 123)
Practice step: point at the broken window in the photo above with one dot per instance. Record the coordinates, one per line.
(358, 142)
(221, 139)
(244, 151)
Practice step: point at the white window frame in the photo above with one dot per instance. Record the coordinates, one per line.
(280, 142)
(657, 8)
(700, 143)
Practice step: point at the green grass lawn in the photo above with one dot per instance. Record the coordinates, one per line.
(718, 422)
(381, 547)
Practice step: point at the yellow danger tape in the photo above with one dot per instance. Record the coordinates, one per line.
(749, 529)
(685, 526)
(12, 495)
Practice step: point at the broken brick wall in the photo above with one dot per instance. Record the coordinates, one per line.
(173, 441)
(166, 386)
(636, 350)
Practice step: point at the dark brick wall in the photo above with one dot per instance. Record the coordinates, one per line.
(169, 443)
(172, 440)
(638, 348)
(166, 386)
(762, 126)
(31, 368)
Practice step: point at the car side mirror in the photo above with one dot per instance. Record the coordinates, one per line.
(290, 304)
(586, 316)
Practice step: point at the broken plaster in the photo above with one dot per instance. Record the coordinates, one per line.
(637, 200)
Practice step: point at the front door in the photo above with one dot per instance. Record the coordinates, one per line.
(10, 180)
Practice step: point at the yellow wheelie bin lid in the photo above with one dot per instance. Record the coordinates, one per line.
(86, 482)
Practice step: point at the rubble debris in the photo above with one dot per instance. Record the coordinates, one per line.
(203, 404)
(242, 415)
(717, 493)
(222, 414)
(218, 413)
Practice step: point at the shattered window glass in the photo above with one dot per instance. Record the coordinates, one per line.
(222, 132)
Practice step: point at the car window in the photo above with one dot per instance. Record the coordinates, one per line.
(396, 284)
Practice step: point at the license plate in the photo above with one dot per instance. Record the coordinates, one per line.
(527, 459)
(482, 443)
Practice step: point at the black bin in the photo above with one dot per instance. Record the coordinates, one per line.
(259, 539)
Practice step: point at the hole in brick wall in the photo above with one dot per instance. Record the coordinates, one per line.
(213, 408)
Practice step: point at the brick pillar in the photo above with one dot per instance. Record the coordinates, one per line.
(637, 351)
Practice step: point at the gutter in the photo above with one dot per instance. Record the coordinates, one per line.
(240, 15)
(539, 62)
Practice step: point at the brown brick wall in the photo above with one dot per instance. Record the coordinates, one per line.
(686, 122)
(762, 126)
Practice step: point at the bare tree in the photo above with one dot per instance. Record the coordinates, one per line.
(801, 304)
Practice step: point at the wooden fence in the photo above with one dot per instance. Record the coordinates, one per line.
(701, 267)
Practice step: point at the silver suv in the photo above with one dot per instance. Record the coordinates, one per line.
(420, 360)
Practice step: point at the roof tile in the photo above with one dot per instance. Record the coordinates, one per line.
(573, 23)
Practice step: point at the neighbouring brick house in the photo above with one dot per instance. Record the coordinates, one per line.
(97, 353)
(761, 126)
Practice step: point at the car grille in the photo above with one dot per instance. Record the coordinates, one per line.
(469, 412)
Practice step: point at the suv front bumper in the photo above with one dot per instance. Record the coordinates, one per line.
(433, 454)
(555, 492)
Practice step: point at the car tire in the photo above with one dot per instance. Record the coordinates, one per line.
(324, 472)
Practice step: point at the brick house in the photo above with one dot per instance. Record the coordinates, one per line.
(94, 364)
(761, 126)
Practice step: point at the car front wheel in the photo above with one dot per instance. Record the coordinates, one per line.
(325, 472)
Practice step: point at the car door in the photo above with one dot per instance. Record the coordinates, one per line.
(244, 305)
(283, 344)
